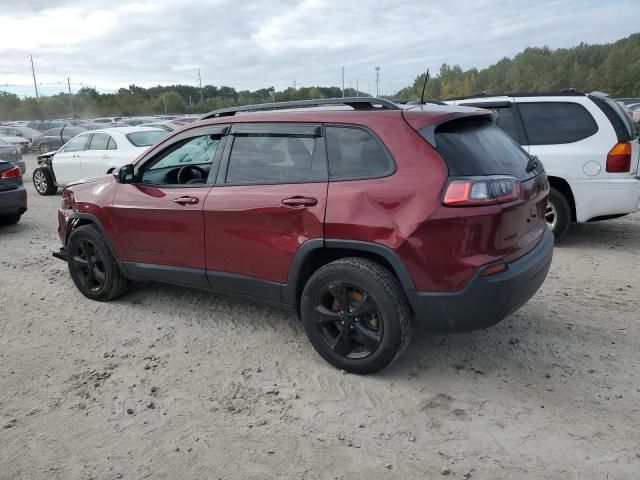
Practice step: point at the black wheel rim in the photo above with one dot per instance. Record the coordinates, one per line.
(88, 266)
(349, 320)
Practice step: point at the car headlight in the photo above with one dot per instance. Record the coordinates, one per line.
(67, 199)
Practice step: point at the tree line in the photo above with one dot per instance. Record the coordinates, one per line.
(613, 68)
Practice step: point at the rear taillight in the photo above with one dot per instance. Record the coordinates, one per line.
(619, 158)
(14, 172)
(481, 191)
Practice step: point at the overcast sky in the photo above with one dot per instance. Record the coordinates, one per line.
(250, 44)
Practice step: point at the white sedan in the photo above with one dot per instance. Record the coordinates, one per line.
(92, 154)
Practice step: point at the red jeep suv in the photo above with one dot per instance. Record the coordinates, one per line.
(359, 213)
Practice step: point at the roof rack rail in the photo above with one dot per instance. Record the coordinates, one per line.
(357, 103)
(417, 101)
(568, 92)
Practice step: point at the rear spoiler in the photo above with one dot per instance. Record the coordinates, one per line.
(426, 125)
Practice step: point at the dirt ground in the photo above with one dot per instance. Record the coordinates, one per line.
(173, 383)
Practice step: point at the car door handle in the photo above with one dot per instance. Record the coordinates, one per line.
(299, 202)
(105, 156)
(186, 200)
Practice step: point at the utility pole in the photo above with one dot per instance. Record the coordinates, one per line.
(35, 84)
(200, 82)
(357, 89)
(350, 89)
(164, 100)
(342, 82)
(189, 100)
(377, 81)
(70, 97)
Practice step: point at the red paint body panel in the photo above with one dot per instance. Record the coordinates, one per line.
(246, 230)
(249, 231)
(150, 227)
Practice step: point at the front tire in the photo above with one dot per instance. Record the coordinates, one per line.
(558, 214)
(356, 315)
(43, 181)
(93, 268)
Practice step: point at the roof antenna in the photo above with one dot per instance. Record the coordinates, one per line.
(424, 86)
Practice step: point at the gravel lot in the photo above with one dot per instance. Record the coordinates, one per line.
(173, 383)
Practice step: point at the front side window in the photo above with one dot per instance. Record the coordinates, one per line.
(356, 153)
(193, 156)
(76, 144)
(552, 123)
(263, 158)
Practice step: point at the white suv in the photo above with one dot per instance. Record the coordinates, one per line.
(587, 144)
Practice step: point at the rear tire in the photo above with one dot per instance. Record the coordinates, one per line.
(558, 214)
(93, 268)
(356, 315)
(43, 181)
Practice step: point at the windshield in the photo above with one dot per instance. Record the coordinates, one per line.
(145, 138)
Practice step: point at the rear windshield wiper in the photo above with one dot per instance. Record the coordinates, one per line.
(532, 164)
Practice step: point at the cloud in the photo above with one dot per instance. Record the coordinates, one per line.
(255, 44)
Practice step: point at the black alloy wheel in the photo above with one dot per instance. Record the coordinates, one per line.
(349, 320)
(92, 266)
(356, 315)
(88, 266)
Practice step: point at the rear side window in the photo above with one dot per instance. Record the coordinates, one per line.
(506, 121)
(355, 153)
(476, 147)
(552, 123)
(264, 158)
(99, 141)
(145, 138)
(621, 122)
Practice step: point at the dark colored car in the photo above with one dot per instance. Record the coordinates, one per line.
(43, 126)
(11, 153)
(56, 137)
(18, 131)
(13, 196)
(361, 219)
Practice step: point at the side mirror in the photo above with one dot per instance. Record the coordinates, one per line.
(124, 174)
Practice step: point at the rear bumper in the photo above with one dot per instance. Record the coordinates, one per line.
(485, 300)
(606, 197)
(13, 201)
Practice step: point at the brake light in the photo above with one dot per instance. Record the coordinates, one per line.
(14, 172)
(619, 158)
(481, 191)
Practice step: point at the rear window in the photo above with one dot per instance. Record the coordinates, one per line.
(146, 138)
(552, 123)
(476, 147)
